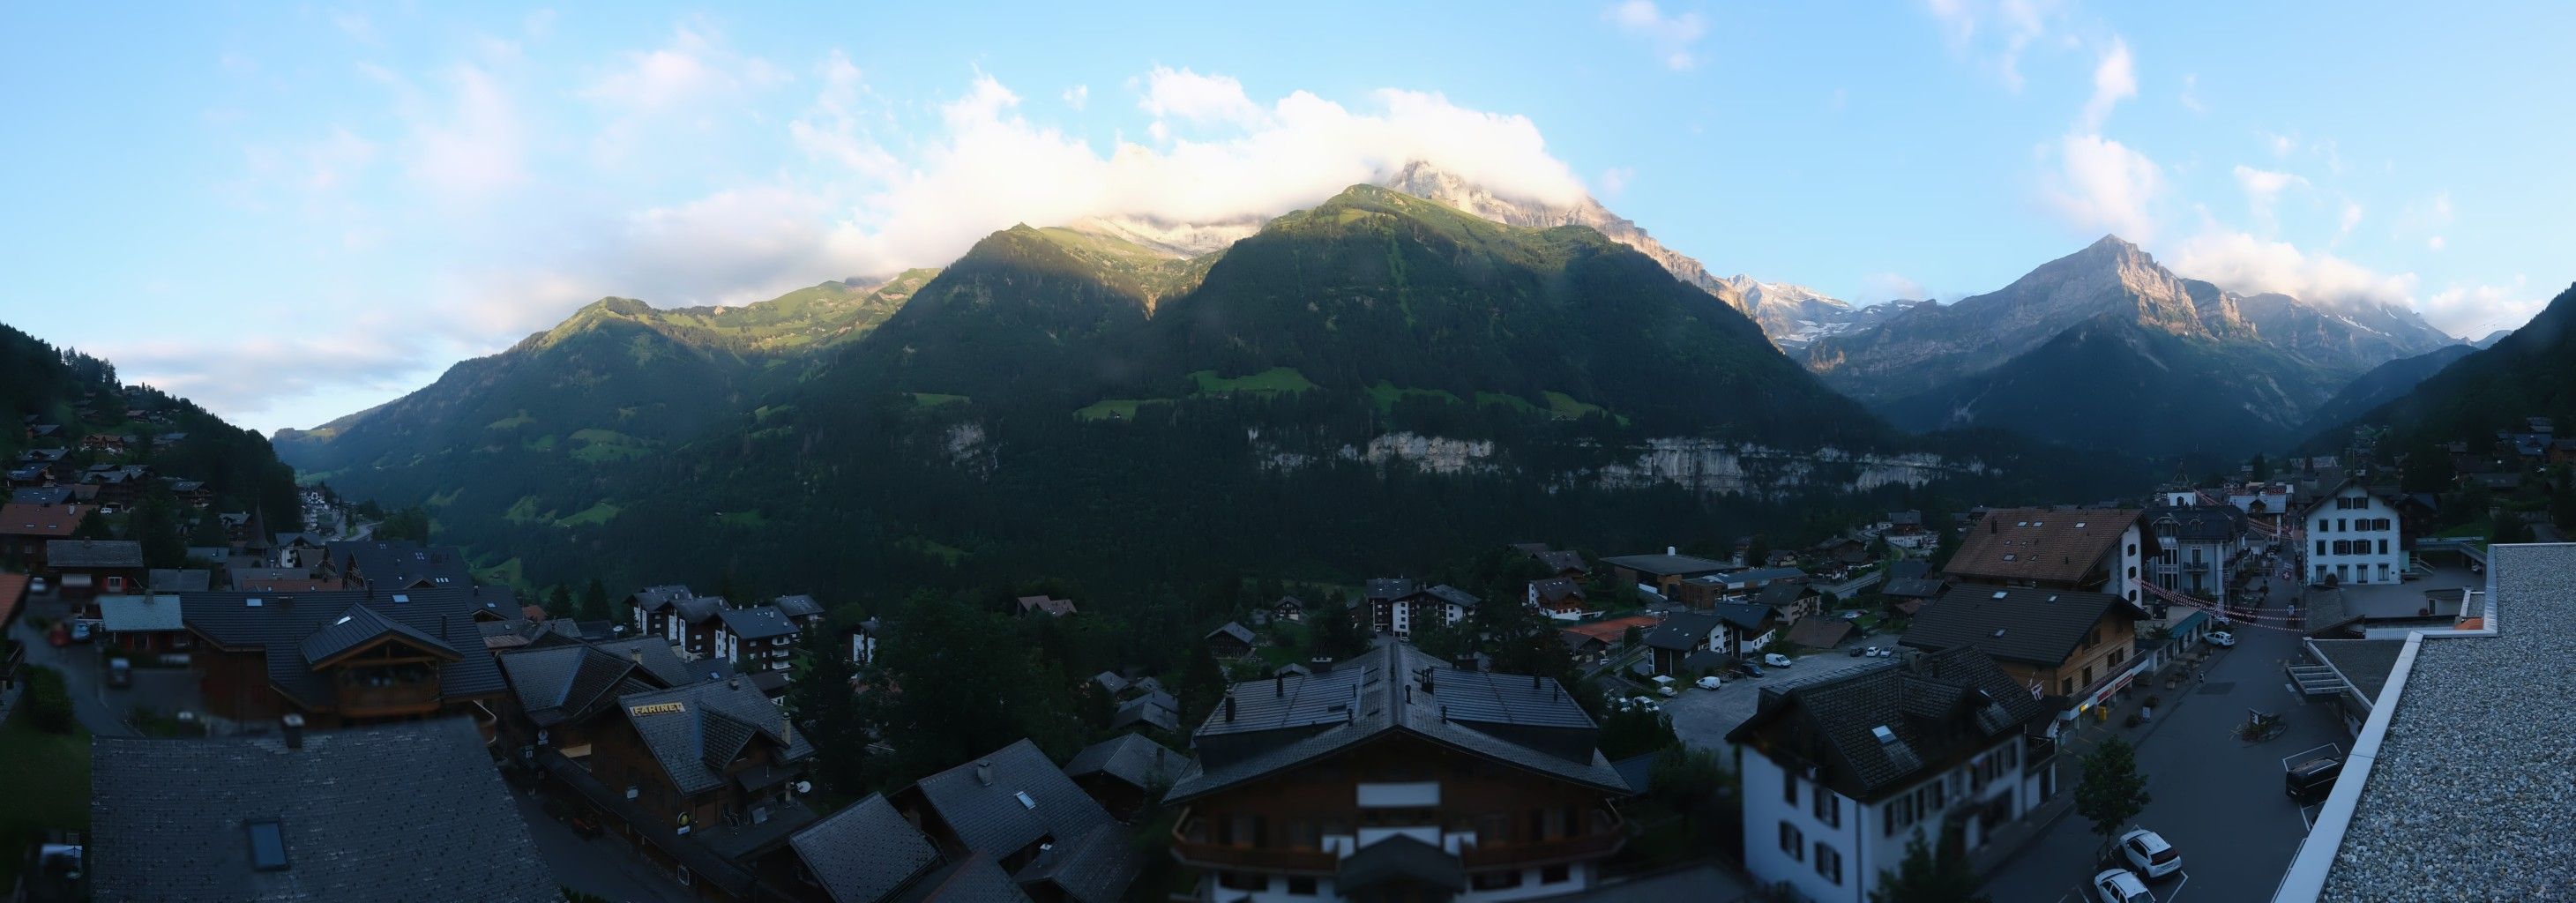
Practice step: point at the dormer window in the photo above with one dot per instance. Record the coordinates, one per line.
(267, 845)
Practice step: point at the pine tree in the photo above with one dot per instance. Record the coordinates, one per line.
(1926, 876)
(2112, 791)
(820, 698)
(559, 601)
(594, 602)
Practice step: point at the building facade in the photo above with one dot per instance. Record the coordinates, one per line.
(2353, 537)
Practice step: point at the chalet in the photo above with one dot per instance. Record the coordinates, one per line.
(651, 608)
(381, 813)
(1748, 627)
(1558, 597)
(1819, 633)
(1397, 776)
(299, 550)
(2354, 537)
(40, 496)
(147, 624)
(1397, 604)
(1906, 596)
(1012, 805)
(755, 639)
(2070, 646)
(1791, 600)
(560, 694)
(1600, 637)
(868, 853)
(1124, 773)
(84, 568)
(1841, 772)
(384, 565)
(699, 757)
(1660, 574)
(1155, 708)
(1708, 589)
(103, 442)
(1109, 682)
(1046, 605)
(2099, 550)
(1841, 550)
(236, 525)
(1559, 563)
(1230, 640)
(192, 493)
(1452, 604)
(345, 657)
(861, 640)
(41, 432)
(693, 624)
(803, 611)
(1681, 635)
(2196, 546)
(1290, 609)
(26, 529)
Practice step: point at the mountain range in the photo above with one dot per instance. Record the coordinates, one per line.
(2530, 372)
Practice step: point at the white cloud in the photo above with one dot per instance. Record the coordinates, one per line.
(1077, 97)
(2010, 26)
(2436, 243)
(2241, 262)
(2351, 218)
(474, 146)
(1670, 36)
(2279, 145)
(2191, 93)
(1879, 287)
(2474, 311)
(2263, 190)
(1190, 97)
(1614, 181)
(2103, 185)
(692, 68)
(2114, 79)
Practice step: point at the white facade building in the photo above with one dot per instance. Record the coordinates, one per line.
(2353, 537)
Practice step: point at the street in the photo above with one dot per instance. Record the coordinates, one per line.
(601, 866)
(1701, 718)
(2216, 798)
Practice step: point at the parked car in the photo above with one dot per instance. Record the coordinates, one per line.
(2222, 639)
(1776, 660)
(1748, 669)
(81, 631)
(1852, 615)
(1858, 652)
(1664, 684)
(1710, 682)
(2312, 780)
(2120, 886)
(120, 672)
(2148, 852)
(37, 585)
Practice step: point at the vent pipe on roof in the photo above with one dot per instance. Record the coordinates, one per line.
(1279, 685)
(1672, 550)
(635, 655)
(1229, 708)
(984, 773)
(293, 727)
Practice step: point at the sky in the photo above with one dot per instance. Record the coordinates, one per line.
(290, 213)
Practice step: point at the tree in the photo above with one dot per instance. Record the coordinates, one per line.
(825, 707)
(1758, 553)
(2262, 467)
(2112, 791)
(2509, 528)
(1337, 632)
(1926, 876)
(2427, 469)
(2562, 499)
(93, 526)
(559, 602)
(409, 524)
(1635, 732)
(48, 701)
(594, 602)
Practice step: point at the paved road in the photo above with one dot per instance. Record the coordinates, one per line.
(1702, 717)
(2218, 799)
(601, 865)
(99, 709)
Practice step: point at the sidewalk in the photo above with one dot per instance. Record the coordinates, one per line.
(2009, 842)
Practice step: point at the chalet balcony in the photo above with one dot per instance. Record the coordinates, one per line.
(361, 701)
(2036, 752)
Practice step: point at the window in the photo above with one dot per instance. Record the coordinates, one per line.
(2066, 686)
(1793, 841)
(267, 845)
(2321, 525)
(1495, 880)
(1242, 881)
(1829, 863)
(1555, 874)
(2117, 655)
(1301, 886)
(1789, 789)
(2088, 675)
(2383, 549)
(2321, 547)
(1829, 808)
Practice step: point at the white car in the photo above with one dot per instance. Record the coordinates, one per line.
(37, 585)
(2148, 852)
(2120, 886)
(2222, 639)
(1709, 683)
(1776, 660)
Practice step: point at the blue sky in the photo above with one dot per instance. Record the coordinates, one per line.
(291, 213)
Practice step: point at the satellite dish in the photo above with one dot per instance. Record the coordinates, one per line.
(804, 786)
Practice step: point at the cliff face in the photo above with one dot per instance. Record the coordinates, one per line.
(1707, 467)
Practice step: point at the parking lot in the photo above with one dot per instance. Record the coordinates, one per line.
(1702, 717)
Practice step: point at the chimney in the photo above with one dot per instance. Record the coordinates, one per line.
(1537, 681)
(294, 730)
(1672, 550)
(635, 655)
(1279, 685)
(1427, 688)
(1229, 708)
(984, 773)
(734, 682)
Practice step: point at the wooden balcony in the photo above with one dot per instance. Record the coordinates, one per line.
(1281, 861)
(1608, 831)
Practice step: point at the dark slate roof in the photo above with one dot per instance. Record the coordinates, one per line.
(1404, 860)
(1391, 588)
(759, 623)
(1454, 596)
(1156, 708)
(656, 598)
(1130, 758)
(388, 564)
(697, 609)
(989, 818)
(1239, 632)
(2039, 544)
(1289, 603)
(93, 553)
(2197, 523)
(2365, 663)
(2031, 626)
(1666, 565)
(280, 623)
(715, 722)
(398, 812)
(1556, 588)
(1683, 632)
(1782, 593)
(1908, 568)
(798, 606)
(1751, 575)
(1912, 588)
(1280, 724)
(559, 684)
(179, 580)
(1819, 632)
(1095, 867)
(1744, 615)
(1561, 562)
(360, 626)
(973, 879)
(1110, 681)
(1637, 770)
(40, 495)
(1939, 708)
(865, 852)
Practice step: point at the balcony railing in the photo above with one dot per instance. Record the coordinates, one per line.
(1544, 852)
(1221, 856)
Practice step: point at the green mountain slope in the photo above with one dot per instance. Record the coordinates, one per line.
(2530, 373)
(2383, 384)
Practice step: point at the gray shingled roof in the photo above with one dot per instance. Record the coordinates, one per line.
(1912, 588)
(1744, 615)
(139, 614)
(402, 565)
(974, 879)
(716, 721)
(988, 817)
(1454, 596)
(1130, 758)
(1235, 630)
(1280, 724)
(558, 684)
(2198, 523)
(656, 598)
(1683, 632)
(400, 812)
(179, 580)
(1391, 588)
(798, 606)
(2032, 626)
(1095, 867)
(697, 609)
(865, 852)
(93, 553)
(361, 625)
(1940, 709)
(759, 623)
(1155, 707)
(1666, 565)
(280, 623)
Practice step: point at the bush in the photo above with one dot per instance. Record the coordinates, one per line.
(48, 702)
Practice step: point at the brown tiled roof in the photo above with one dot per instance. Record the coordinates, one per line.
(2039, 544)
(1611, 630)
(40, 520)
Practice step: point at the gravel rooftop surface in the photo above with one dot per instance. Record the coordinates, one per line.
(2470, 798)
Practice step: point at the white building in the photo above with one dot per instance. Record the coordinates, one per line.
(2194, 545)
(2353, 537)
(1838, 774)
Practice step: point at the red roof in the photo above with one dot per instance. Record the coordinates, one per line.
(1613, 629)
(54, 521)
(13, 587)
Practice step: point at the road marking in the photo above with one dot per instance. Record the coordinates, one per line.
(2176, 893)
(2307, 818)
